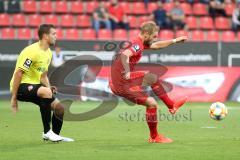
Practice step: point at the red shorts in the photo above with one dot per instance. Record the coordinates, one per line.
(131, 89)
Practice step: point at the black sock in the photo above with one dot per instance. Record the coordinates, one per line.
(46, 118)
(57, 118)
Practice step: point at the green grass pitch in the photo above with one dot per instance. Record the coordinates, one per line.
(120, 135)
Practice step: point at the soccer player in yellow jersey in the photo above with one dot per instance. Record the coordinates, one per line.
(30, 83)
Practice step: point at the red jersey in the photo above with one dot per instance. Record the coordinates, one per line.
(117, 71)
(117, 11)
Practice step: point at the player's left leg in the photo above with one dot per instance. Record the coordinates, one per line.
(160, 89)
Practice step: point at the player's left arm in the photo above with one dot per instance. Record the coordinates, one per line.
(45, 80)
(162, 44)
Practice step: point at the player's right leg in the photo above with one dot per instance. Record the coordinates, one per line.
(152, 121)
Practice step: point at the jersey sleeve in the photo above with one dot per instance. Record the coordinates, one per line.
(135, 48)
(26, 60)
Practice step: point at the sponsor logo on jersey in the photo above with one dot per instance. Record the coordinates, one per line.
(136, 48)
(27, 63)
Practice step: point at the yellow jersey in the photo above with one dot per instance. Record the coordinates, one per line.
(33, 61)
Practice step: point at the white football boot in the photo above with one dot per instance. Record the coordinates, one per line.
(50, 135)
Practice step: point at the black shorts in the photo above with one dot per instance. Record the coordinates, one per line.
(28, 93)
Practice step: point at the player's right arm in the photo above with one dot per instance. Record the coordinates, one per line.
(17, 78)
(125, 62)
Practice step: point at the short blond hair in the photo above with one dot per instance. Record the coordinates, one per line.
(149, 26)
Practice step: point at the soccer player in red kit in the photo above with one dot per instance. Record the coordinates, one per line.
(128, 83)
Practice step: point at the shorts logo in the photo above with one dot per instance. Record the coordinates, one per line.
(30, 88)
(27, 63)
(136, 48)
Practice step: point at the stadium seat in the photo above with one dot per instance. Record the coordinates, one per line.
(180, 33)
(133, 33)
(222, 23)
(76, 7)
(45, 7)
(72, 34)
(229, 8)
(104, 34)
(166, 35)
(83, 21)
(200, 9)
(18, 20)
(24, 33)
(228, 36)
(91, 6)
(212, 36)
(120, 35)
(34, 20)
(142, 19)
(127, 7)
(61, 7)
(29, 6)
(152, 6)
(197, 36)
(60, 34)
(67, 20)
(238, 36)
(88, 34)
(4, 20)
(206, 23)
(191, 22)
(7, 33)
(133, 22)
(186, 7)
(168, 6)
(52, 19)
(138, 8)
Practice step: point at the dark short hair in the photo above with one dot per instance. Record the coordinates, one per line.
(44, 29)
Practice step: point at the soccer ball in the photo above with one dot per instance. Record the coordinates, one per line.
(218, 111)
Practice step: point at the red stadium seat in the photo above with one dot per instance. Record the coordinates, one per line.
(18, 20)
(133, 21)
(166, 35)
(127, 7)
(45, 7)
(83, 21)
(200, 9)
(72, 34)
(143, 19)
(228, 36)
(120, 35)
(186, 7)
(29, 6)
(7, 33)
(88, 34)
(138, 8)
(212, 36)
(34, 20)
(61, 7)
(197, 36)
(152, 6)
(76, 7)
(238, 36)
(91, 6)
(229, 8)
(104, 34)
(191, 22)
(52, 19)
(4, 20)
(222, 23)
(24, 33)
(180, 33)
(133, 33)
(168, 6)
(67, 21)
(206, 23)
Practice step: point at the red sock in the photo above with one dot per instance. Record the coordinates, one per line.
(159, 91)
(151, 117)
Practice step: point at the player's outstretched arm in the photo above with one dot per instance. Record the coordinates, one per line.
(125, 62)
(163, 44)
(16, 82)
